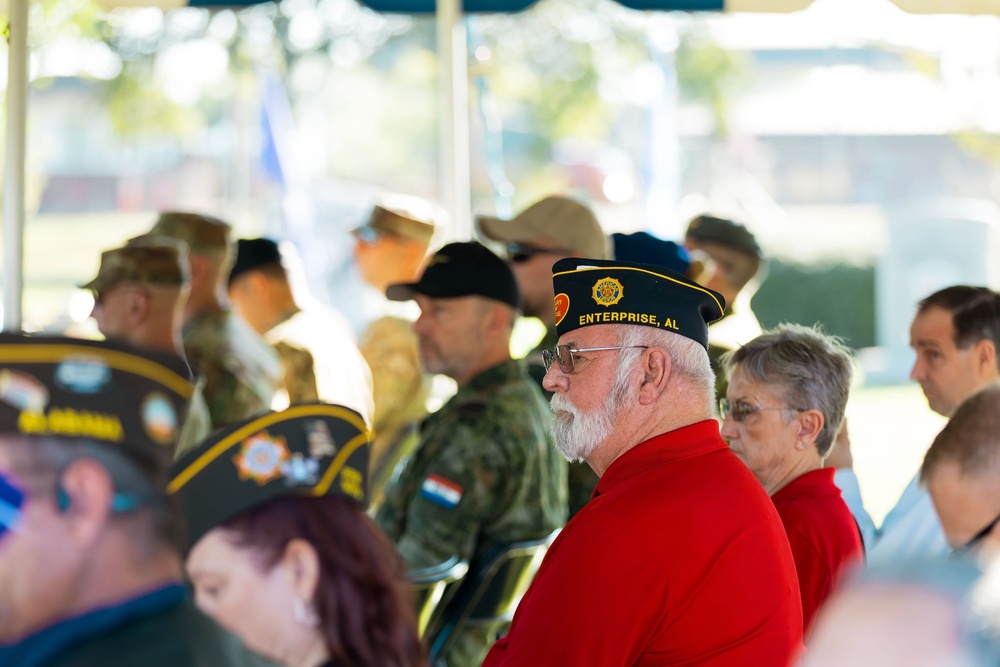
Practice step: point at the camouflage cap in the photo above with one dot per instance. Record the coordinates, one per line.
(202, 233)
(709, 229)
(154, 264)
(560, 220)
(93, 390)
(309, 450)
(397, 223)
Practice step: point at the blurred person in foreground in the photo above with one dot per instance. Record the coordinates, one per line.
(391, 248)
(680, 557)
(549, 230)
(956, 335)
(90, 573)
(242, 373)
(737, 260)
(321, 361)
(486, 473)
(281, 552)
(917, 613)
(961, 471)
(139, 295)
(787, 394)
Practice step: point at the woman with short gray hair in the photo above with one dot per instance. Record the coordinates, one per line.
(785, 403)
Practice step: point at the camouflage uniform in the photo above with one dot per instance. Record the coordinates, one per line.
(197, 422)
(486, 473)
(581, 478)
(400, 388)
(242, 373)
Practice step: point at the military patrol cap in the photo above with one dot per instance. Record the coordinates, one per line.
(254, 253)
(163, 264)
(709, 229)
(202, 233)
(397, 223)
(94, 390)
(592, 291)
(462, 269)
(308, 450)
(564, 222)
(644, 248)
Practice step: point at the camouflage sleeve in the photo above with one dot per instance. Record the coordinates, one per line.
(456, 493)
(197, 423)
(300, 373)
(391, 350)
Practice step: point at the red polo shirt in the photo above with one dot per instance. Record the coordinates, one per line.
(822, 533)
(679, 559)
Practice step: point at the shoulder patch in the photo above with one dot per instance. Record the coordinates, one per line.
(441, 491)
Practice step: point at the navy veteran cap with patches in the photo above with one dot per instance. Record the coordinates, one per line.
(310, 450)
(594, 291)
(98, 391)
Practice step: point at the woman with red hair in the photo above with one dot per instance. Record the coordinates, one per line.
(281, 551)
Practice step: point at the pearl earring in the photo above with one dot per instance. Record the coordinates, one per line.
(304, 614)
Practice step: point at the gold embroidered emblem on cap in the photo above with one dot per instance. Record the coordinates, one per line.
(607, 292)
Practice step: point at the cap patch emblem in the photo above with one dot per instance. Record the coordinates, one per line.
(300, 471)
(562, 306)
(159, 418)
(261, 458)
(83, 375)
(320, 440)
(22, 391)
(607, 292)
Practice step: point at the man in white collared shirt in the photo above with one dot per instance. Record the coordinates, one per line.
(956, 335)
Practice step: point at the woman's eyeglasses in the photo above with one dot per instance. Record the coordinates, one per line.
(565, 355)
(739, 410)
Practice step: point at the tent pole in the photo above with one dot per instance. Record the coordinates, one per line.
(14, 157)
(453, 83)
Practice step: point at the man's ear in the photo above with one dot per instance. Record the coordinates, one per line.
(985, 352)
(137, 305)
(88, 491)
(810, 424)
(656, 365)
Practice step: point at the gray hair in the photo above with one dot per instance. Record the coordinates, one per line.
(689, 359)
(810, 368)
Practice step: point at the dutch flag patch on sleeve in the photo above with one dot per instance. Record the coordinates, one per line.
(441, 491)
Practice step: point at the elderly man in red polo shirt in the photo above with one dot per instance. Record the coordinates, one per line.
(680, 557)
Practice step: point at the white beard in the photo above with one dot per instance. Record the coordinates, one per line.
(578, 433)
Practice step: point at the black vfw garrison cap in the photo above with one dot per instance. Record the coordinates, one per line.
(314, 449)
(95, 390)
(462, 269)
(594, 291)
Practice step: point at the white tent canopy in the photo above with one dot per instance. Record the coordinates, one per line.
(454, 116)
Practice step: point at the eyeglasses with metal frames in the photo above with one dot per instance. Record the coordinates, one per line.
(739, 410)
(565, 355)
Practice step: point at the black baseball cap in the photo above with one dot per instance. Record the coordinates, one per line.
(462, 269)
(252, 254)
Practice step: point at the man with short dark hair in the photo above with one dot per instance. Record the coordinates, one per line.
(962, 473)
(485, 473)
(680, 557)
(242, 373)
(549, 230)
(320, 359)
(956, 335)
(89, 570)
